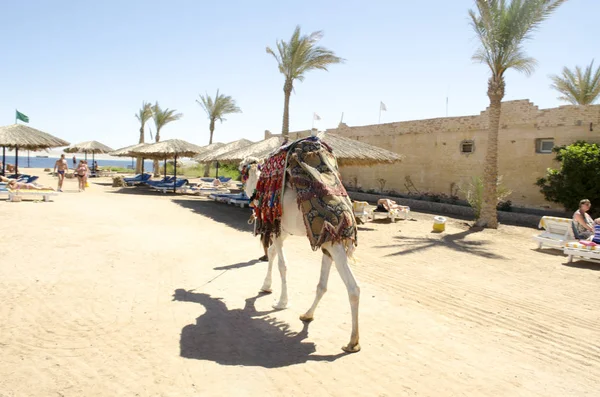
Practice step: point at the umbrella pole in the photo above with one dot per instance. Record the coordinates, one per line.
(93, 161)
(217, 174)
(165, 167)
(175, 178)
(17, 161)
(3, 160)
(28, 166)
(142, 165)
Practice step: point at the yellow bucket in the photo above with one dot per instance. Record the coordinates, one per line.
(87, 184)
(439, 224)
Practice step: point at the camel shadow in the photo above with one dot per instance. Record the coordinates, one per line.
(243, 336)
(453, 241)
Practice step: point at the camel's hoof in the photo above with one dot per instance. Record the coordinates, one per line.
(306, 318)
(351, 348)
(281, 306)
(266, 291)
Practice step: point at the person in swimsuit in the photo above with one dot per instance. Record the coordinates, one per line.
(61, 166)
(583, 221)
(14, 185)
(81, 172)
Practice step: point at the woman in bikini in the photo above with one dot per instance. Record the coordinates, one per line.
(14, 185)
(81, 172)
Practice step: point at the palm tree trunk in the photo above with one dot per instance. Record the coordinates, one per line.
(489, 215)
(287, 91)
(156, 166)
(212, 130)
(139, 160)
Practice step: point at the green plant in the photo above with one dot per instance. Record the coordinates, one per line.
(474, 193)
(578, 176)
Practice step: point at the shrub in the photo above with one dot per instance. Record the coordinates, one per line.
(474, 193)
(577, 178)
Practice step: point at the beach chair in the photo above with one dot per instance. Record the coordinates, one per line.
(207, 190)
(392, 213)
(557, 232)
(362, 210)
(18, 195)
(167, 179)
(587, 250)
(180, 186)
(138, 179)
(240, 200)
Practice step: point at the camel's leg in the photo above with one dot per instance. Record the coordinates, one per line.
(281, 262)
(271, 252)
(341, 263)
(321, 287)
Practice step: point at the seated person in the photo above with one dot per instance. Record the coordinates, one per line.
(596, 236)
(582, 221)
(14, 185)
(216, 182)
(4, 179)
(390, 205)
(10, 168)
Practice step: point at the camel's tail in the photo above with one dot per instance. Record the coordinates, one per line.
(350, 248)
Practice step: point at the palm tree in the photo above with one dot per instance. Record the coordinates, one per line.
(216, 109)
(502, 27)
(161, 118)
(578, 88)
(297, 57)
(144, 114)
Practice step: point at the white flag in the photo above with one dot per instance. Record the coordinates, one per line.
(316, 116)
(382, 106)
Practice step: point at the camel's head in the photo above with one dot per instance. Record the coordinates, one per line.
(250, 170)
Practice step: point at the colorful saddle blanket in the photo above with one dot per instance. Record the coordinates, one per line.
(312, 171)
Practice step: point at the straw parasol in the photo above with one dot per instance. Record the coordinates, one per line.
(347, 151)
(19, 136)
(211, 147)
(126, 152)
(211, 155)
(169, 149)
(93, 147)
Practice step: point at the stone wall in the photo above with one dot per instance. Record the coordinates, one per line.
(433, 161)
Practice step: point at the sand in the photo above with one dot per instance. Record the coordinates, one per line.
(126, 293)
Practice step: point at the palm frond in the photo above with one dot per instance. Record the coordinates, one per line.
(218, 107)
(163, 117)
(502, 27)
(578, 87)
(301, 54)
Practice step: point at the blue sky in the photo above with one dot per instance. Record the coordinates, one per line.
(80, 70)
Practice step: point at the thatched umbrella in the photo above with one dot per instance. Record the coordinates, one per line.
(169, 149)
(20, 136)
(211, 155)
(212, 146)
(347, 151)
(93, 147)
(126, 152)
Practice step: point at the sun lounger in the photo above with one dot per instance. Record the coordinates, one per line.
(392, 213)
(362, 210)
(557, 233)
(138, 179)
(18, 195)
(180, 186)
(206, 190)
(585, 249)
(240, 200)
(167, 179)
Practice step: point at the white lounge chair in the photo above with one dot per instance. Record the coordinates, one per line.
(589, 253)
(18, 195)
(362, 210)
(558, 232)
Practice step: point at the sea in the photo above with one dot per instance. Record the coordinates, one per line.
(33, 161)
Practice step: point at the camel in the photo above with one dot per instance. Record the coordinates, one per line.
(292, 224)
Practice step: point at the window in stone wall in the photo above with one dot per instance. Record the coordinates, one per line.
(544, 145)
(467, 147)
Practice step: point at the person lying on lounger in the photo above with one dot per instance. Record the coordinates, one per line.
(390, 205)
(14, 185)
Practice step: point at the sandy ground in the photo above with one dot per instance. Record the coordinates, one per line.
(126, 293)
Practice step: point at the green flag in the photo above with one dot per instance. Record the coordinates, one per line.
(22, 117)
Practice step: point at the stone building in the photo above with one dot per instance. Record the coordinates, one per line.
(443, 154)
